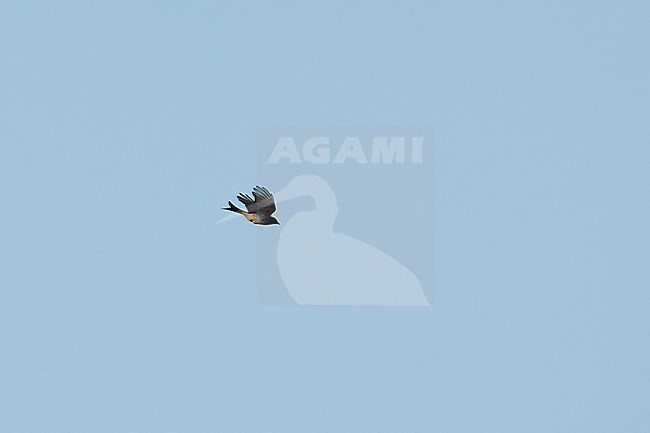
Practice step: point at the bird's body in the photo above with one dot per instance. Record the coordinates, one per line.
(258, 209)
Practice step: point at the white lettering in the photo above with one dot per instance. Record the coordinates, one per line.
(387, 152)
(351, 148)
(285, 148)
(314, 155)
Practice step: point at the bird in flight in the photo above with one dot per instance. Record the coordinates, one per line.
(260, 207)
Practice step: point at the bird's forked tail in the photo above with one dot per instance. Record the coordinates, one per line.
(232, 208)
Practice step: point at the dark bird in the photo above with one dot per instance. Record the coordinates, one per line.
(260, 207)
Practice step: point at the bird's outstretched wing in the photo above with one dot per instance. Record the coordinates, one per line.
(261, 203)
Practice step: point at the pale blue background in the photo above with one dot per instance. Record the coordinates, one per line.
(124, 128)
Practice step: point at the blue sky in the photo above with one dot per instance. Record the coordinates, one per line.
(124, 127)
